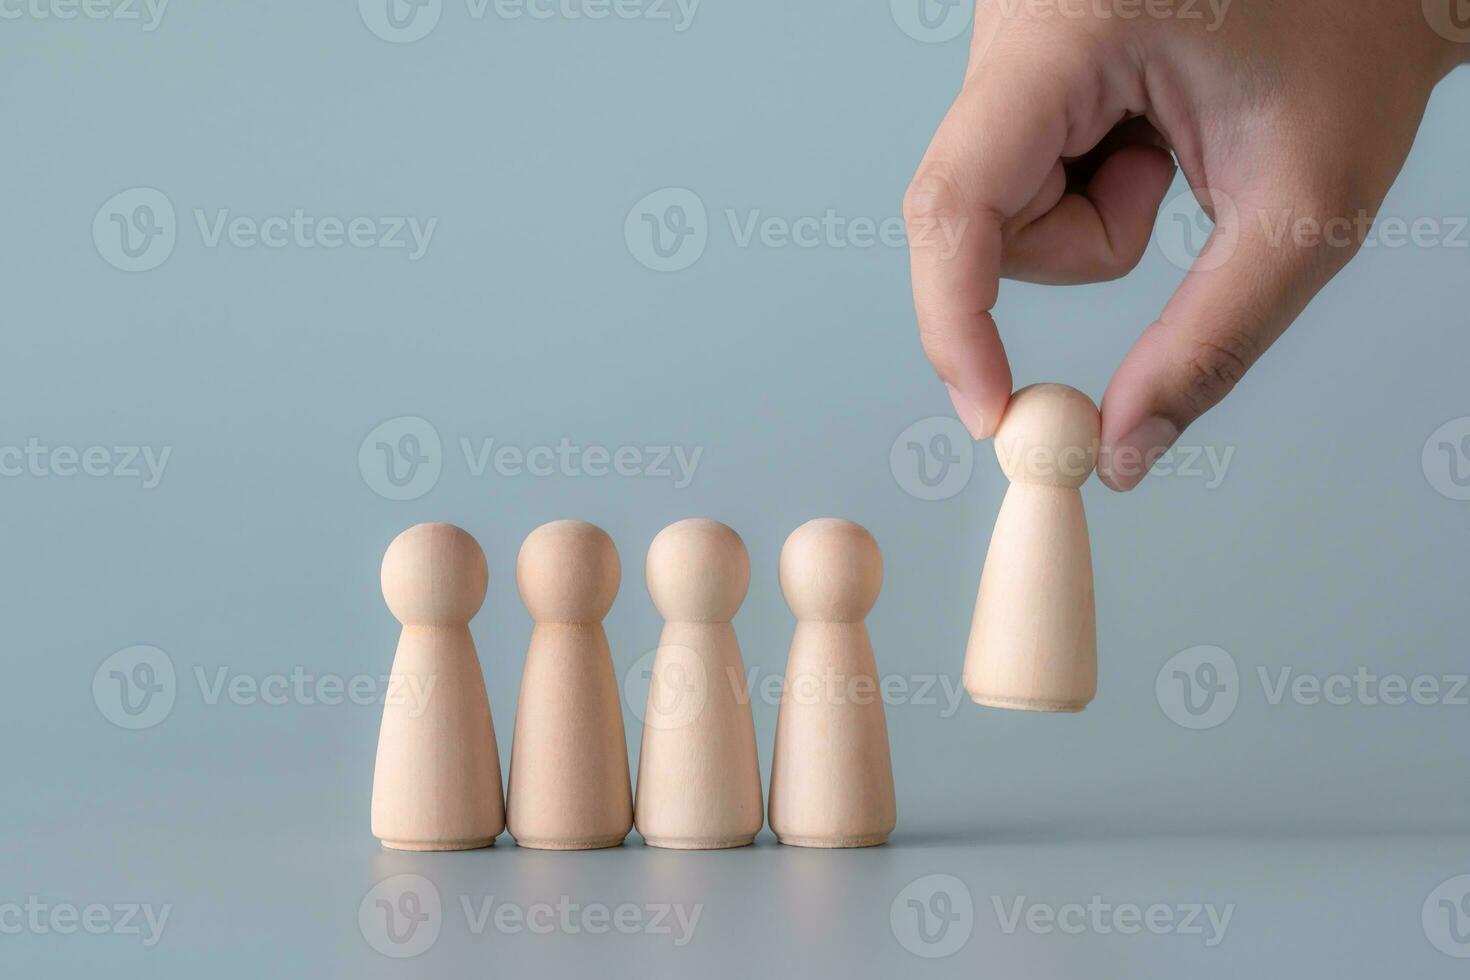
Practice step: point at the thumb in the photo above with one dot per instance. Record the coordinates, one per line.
(1246, 287)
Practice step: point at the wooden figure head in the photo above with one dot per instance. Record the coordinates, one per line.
(831, 571)
(434, 575)
(568, 572)
(1049, 435)
(698, 572)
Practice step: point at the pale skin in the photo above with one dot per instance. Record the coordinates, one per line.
(1053, 161)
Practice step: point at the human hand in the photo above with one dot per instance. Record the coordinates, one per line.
(1051, 165)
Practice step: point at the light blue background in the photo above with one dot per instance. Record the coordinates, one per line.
(1326, 548)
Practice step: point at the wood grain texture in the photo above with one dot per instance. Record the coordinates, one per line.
(699, 781)
(436, 783)
(569, 786)
(831, 774)
(1033, 641)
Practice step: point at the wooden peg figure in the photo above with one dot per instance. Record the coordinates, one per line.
(831, 777)
(436, 785)
(1033, 642)
(699, 780)
(569, 786)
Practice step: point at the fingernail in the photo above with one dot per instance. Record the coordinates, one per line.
(1124, 465)
(970, 415)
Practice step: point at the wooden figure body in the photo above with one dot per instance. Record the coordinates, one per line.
(436, 784)
(699, 781)
(1033, 642)
(831, 777)
(569, 787)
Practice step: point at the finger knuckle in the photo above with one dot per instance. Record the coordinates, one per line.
(1215, 367)
(933, 195)
(1333, 218)
(944, 344)
(1122, 257)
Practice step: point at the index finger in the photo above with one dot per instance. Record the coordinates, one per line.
(988, 159)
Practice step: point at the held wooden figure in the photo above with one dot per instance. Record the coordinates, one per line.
(436, 786)
(831, 778)
(569, 787)
(699, 781)
(1033, 643)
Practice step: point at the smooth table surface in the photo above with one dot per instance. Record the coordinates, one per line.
(1052, 899)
